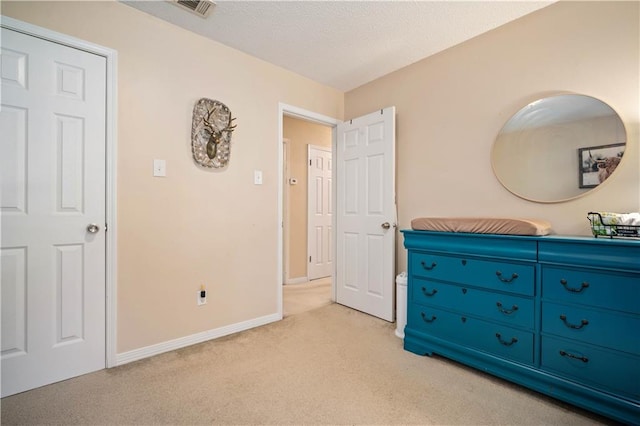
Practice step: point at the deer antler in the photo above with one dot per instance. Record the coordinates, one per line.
(208, 117)
(229, 127)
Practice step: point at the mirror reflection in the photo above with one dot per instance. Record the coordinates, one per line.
(558, 148)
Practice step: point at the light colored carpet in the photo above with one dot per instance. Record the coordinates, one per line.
(298, 298)
(330, 365)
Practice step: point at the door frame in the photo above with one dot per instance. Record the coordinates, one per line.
(111, 127)
(303, 114)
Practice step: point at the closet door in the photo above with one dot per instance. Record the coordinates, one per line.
(52, 169)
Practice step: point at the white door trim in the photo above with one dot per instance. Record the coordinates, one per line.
(111, 57)
(293, 111)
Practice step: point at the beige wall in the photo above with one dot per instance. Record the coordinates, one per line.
(300, 134)
(195, 226)
(451, 106)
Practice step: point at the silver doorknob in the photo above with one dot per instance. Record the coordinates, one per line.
(93, 228)
(386, 225)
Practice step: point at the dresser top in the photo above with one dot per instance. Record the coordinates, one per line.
(581, 239)
(608, 253)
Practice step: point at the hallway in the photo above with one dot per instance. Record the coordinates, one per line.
(298, 298)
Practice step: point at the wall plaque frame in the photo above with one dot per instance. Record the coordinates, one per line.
(211, 128)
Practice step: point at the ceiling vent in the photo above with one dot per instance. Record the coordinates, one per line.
(201, 8)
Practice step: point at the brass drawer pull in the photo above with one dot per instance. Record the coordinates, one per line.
(430, 293)
(574, 326)
(574, 290)
(428, 268)
(568, 355)
(506, 280)
(424, 317)
(513, 340)
(506, 311)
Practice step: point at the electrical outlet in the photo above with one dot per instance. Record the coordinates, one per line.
(201, 300)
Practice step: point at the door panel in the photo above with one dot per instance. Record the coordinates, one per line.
(13, 167)
(14, 307)
(375, 267)
(53, 187)
(365, 257)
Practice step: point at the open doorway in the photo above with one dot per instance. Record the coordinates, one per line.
(307, 201)
(364, 226)
(304, 242)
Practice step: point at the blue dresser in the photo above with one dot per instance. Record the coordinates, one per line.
(560, 315)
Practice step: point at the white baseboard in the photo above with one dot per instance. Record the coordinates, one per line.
(148, 351)
(298, 280)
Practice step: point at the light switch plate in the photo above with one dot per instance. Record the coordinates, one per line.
(257, 177)
(160, 168)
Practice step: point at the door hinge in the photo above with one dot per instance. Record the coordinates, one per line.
(309, 259)
(106, 227)
(381, 112)
(309, 162)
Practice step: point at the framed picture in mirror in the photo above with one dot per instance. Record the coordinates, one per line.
(597, 163)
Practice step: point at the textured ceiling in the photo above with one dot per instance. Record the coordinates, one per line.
(343, 44)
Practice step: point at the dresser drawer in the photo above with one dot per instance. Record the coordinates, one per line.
(603, 328)
(496, 339)
(620, 292)
(612, 253)
(611, 371)
(512, 310)
(504, 276)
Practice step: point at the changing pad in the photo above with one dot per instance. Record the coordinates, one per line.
(483, 225)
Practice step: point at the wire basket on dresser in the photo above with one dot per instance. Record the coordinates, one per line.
(608, 225)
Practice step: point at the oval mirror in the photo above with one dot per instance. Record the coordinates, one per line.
(558, 148)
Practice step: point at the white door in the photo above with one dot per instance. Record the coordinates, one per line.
(320, 212)
(366, 213)
(52, 175)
